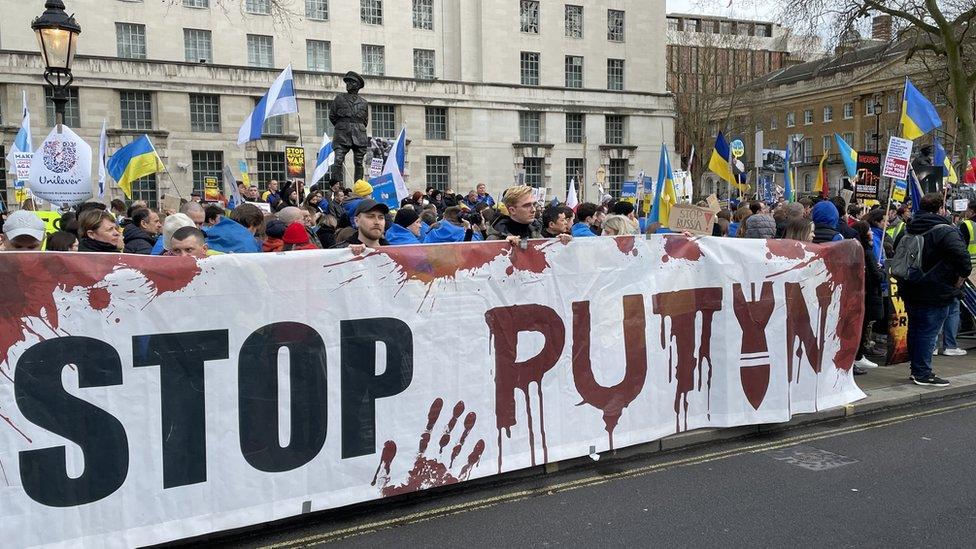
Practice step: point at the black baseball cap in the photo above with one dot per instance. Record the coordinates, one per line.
(368, 205)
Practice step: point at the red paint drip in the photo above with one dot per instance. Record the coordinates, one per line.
(681, 247)
(11, 423)
(469, 421)
(755, 383)
(48, 272)
(446, 437)
(786, 249)
(682, 307)
(386, 460)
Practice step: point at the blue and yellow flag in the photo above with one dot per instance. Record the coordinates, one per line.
(918, 115)
(940, 158)
(721, 161)
(135, 160)
(847, 154)
(899, 191)
(788, 176)
(665, 196)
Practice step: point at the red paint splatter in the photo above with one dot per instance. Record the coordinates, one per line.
(99, 298)
(683, 307)
(626, 244)
(611, 400)
(753, 316)
(844, 265)
(786, 249)
(38, 275)
(504, 325)
(681, 247)
(430, 472)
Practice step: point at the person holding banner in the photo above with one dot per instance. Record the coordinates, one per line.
(873, 303)
(370, 219)
(520, 223)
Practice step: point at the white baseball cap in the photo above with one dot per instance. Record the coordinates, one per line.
(22, 223)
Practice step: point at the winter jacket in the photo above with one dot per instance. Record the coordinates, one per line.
(880, 254)
(504, 226)
(137, 240)
(400, 236)
(760, 226)
(86, 244)
(272, 244)
(445, 231)
(733, 229)
(354, 239)
(157, 247)
(944, 258)
(825, 219)
(874, 278)
(424, 229)
(231, 237)
(582, 230)
(326, 235)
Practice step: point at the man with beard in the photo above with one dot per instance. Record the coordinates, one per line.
(370, 227)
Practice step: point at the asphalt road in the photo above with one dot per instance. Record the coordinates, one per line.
(904, 479)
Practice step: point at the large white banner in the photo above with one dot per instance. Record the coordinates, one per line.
(147, 399)
(60, 171)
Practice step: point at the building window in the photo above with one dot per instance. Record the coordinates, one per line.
(534, 168)
(790, 119)
(206, 164)
(136, 110)
(529, 66)
(849, 139)
(274, 125)
(529, 16)
(725, 27)
(271, 165)
(530, 127)
(423, 14)
(773, 122)
(575, 170)
(869, 106)
(436, 122)
(828, 113)
(322, 123)
(130, 40)
(615, 129)
(869, 141)
(260, 51)
(204, 113)
(892, 99)
(371, 11)
(439, 172)
(145, 189)
(808, 149)
(848, 111)
(574, 71)
(807, 182)
(574, 21)
(826, 143)
(319, 54)
(196, 3)
(72, 114)
(198, 46)
(673, 24)
(374, 60)
(615, 25)
(615, 74)
(423, 64)
(384, 120)
(317, 10)
(258, 7)
(616, 176)
(575, 127)
(808, 116)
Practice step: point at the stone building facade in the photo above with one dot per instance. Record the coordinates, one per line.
(493, 92)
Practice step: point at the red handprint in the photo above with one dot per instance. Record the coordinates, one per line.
(428, 472)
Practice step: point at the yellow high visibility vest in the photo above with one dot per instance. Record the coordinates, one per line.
(971, 227)
(894, 230)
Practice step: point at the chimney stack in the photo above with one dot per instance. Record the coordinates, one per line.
(881, 28)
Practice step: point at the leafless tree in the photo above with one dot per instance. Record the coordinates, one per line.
(282, 12)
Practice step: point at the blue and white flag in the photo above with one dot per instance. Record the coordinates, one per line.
(324, 160)
(231, 192)
(396, 162)
(279, 100)
(102, 155)
(22, 142)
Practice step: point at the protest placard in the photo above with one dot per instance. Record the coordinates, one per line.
(960, 204)
(211, 189)
(295, 158)
(897, 159)
(692, 219)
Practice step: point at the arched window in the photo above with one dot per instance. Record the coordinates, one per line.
(807, 182)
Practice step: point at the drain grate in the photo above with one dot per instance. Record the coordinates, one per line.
(808, 457)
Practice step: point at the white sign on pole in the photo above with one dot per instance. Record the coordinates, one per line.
(22, 164)
(960, 204)
(898, 158)
(60, 171)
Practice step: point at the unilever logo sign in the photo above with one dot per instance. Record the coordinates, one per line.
(60, 171)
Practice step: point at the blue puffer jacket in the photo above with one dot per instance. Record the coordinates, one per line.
(231, 237)
(445, 231)
(582, 230)
(400, 236)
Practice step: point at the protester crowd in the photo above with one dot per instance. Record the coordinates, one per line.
(285, 219)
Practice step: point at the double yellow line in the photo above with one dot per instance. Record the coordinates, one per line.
(449, 510)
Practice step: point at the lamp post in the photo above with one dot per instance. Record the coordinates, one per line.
(877, 125)
(57, 35)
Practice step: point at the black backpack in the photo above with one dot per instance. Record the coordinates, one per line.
(906, 265)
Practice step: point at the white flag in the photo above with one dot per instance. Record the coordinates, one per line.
(102, 153)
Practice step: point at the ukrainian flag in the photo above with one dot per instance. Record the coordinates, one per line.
(135, 160)
(720, 163)
(665, 197)
(918, 115)
(847, 154)
(940, 158)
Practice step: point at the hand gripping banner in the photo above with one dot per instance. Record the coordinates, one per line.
(146, 399)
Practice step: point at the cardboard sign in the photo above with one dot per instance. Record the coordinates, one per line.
(713, 204)
(375, 167)
(847, 195)
(898, 158)
(868, 176)
(960, 204)
(295, 157)
(692, 219)
(171, 203)
(211, 189)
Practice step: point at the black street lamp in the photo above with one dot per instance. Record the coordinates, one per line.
(57, 35)
(877, 125)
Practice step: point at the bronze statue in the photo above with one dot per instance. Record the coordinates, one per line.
(349, 114)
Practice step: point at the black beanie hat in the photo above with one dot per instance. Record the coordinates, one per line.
(406, 217)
